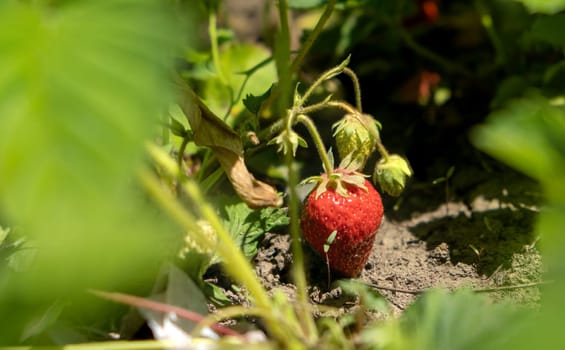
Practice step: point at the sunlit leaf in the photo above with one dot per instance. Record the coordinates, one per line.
(236, 59)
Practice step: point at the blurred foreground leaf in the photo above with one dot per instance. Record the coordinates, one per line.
(550, 29)
(528, 134)
(81, 87)
(462, 320)
(441, 320)
(543, 6)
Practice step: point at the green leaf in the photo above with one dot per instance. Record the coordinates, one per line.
(248, 226)
(82, 85)
(235, 59)
(253, 103)
(177, 128)
(550, 29)
(44, 320)
(543, 6)
(462, 320)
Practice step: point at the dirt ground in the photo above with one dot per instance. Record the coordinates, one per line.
(474, 231)
(482, 241)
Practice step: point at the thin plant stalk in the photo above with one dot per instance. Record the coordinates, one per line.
(213, 33)
(311, 127)
(356, 87)
(234, 262)
(313, 36)
(282, 59)
(164, 308)
(282, 56)
(337, 104)
(325, 76)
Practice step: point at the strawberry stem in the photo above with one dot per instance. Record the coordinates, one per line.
(356, 87)
(330, 73)
(381, 148)
(309, 124)
(339, 104)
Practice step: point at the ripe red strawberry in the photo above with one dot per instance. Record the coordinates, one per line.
(347, 203)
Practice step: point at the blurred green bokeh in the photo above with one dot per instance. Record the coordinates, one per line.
(82, 85)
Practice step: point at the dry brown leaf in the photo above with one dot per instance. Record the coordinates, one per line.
(210, 131)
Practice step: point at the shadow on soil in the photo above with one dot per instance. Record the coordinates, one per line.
(486, 240)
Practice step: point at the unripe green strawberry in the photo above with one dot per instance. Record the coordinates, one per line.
(356, 135)
(391, 173)
(347, 203)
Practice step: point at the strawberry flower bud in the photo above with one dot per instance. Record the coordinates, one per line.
(288, 142)
(392, 173)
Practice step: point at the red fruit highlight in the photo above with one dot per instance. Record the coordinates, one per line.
(356, 218)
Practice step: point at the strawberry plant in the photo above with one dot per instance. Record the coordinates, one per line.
(163, 167)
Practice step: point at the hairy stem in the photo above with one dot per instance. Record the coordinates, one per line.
(309, 124)
(326, 104)
(381, 148)
(325, 76)
(356, 87)
(282, 56)
(302, 309)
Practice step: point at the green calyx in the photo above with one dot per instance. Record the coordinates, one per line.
(345, 174)
(356, 135)
(391, 173)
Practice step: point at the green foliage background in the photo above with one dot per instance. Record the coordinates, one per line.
(82, 85)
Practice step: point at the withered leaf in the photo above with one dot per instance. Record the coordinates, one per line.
(210, 131)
